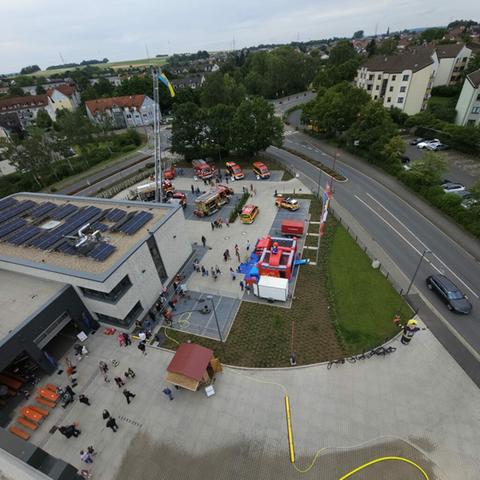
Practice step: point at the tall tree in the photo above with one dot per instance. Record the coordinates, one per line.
(188, 130)
(358, 34)
(255, 126)
(429, 169)
(341, 52)
(221, 88)
(219, 121)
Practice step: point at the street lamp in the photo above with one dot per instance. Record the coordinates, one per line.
(209, 297)
(414, 276)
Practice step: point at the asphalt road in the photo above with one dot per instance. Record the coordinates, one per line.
(403, 233)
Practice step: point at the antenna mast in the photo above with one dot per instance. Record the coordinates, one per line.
(156, 139)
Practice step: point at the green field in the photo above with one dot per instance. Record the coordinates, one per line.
(115, 65)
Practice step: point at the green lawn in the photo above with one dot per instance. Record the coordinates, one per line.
(364, 301)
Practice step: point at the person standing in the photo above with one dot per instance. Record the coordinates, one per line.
(120, 383)
(105, 414)
(212, 224)
(168, 393)
(233, 274)
(85, 457)
(202, 269)
(217, 270)
(84, 399)
(409, 331)
(204, 241)
(128, 395)
(242, 286)
(142, 336)
(142, 348)
(193, 189)
(129, 373)
(247, 245)
(111, 423)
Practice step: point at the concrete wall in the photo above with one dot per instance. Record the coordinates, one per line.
(418, 90)
(444, 72)
(465, 103)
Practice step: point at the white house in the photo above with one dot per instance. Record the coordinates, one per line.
(468, 105)
(122, 112)
(64, 97)
(27, 107)
(453, 58)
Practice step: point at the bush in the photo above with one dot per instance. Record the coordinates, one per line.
(446, 91)
(238, 207)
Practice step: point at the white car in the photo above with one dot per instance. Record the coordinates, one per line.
(429, 144)
(451, 187)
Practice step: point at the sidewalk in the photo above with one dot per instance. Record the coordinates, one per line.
(416, 402)
(463, 238)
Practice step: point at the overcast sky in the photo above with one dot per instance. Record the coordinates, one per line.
(37, 31)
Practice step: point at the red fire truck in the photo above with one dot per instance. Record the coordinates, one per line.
(203, 170)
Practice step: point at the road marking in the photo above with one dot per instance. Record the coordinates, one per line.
(396, 231)
(426, 247)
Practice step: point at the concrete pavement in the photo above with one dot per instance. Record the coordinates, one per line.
(415, 402)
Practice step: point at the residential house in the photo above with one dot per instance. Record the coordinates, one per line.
(10, 123)
(115, 80)
(193, 81)
(32, 89)
(27, 107)
(64, 97)
(452, 61)
(401, 80)
(468, 104)
(122, 112)
(360, 44)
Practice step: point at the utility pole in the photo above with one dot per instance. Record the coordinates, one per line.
(156, 139)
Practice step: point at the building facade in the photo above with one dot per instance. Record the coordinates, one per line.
(468, 104)
(122, 112)
(403, 81)
(452, 60)
(27, 107)
(63, 97)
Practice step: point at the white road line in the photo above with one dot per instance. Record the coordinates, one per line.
(426, 247)
(396, 231)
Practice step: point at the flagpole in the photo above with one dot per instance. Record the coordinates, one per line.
(157, 140)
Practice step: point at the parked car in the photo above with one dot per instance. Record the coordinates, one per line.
(452, 187)
(440, 146)
(416, 141)
(428, 144)
(288, 203)
(449, 293)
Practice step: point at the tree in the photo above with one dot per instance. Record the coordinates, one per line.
(76, 127)
(40, 90)
(432, 34)
(43, 120)
(341, 52)
(30, 69)
(219, 121)
(16, 91)
(371, 47)
(336, 109)
(221, 88)
(255, 126)
(388, 46)
(393, 149)
(358, 34)
(429, 170)
(188, 130)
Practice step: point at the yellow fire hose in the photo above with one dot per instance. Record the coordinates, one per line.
(291, 445)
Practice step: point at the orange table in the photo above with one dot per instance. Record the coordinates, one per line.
(32, 415)
(48, 394)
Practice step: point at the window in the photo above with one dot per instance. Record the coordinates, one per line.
(369, 87)
(375, 97)
(394, 77)
(132, 315)
(391, 89)
(113, 296)
(157, 259)
(389, 99)
(478, 97)
(400, 100)
(377, 87)
(405, 78)
(403, 89)
(476, 110)
(370, 77)
(379, 76)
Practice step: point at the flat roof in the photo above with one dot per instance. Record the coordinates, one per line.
(59, 253)
(21, 296)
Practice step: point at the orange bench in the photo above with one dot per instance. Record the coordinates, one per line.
(27, 423)
(31, 414)
(48, 394)
(19, 433)
(51, 387)
(45, 402)
(39, 410)
(10, 382)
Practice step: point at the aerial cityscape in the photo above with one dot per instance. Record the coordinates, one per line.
(240, 241)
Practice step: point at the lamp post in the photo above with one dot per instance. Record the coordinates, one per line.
(209, 297)
(414, 276)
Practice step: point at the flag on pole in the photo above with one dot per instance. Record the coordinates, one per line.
(327, 195)
(163, 78)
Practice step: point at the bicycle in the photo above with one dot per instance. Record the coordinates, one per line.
(384, 351)
(340, 361)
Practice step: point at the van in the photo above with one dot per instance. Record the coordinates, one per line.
(260, 170)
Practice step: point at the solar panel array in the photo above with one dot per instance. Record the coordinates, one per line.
(20, 226)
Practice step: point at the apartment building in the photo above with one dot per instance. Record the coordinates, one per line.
(453, 58)
(403, 80)
(468, 105)
(27, 107)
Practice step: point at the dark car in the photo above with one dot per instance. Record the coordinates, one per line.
(455, 300)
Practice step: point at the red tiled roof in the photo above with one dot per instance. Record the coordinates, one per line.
(102, 104)
(28, 101)
(190, 360)
(67, 90)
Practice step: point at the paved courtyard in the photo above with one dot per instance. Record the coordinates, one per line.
(417, 403)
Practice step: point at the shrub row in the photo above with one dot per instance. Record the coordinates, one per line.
(238, 207)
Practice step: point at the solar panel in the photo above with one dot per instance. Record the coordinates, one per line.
(136, 222)
(15, 210)
(99, 226)
(11, 226)
(62, 211)
(21, 236)
(115, 215)
(67, 248)
(7, 202)
(118, 226)
(102, 252)
(42, 209)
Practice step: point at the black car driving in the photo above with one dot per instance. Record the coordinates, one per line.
(455, 300)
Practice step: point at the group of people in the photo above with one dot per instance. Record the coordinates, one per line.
(219, 222)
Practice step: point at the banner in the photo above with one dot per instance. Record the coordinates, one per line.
(327, 195)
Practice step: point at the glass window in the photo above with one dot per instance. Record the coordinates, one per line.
(157, 259)
(370, 77)
(476, 110)
(379, 76)
(132, 315)
(377, 87)
(405, 78)
(389, 99)
(391, 89)
(400, 100)
(478, 97)
(369, 87)
(403, 89)
(394, 77)
(111, 297)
